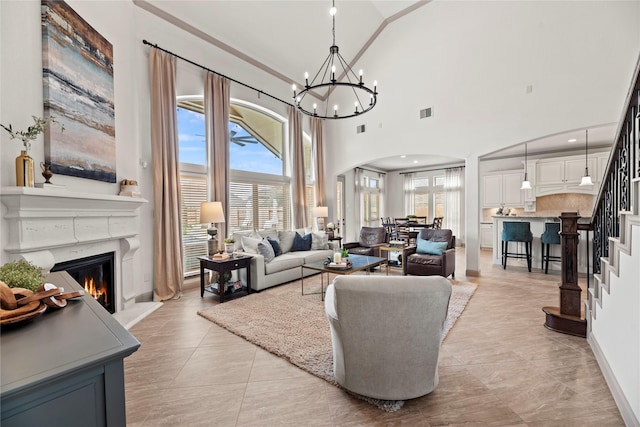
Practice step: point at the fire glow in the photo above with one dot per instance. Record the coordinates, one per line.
(97, 292)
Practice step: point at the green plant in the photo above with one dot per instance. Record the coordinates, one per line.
(412, 216)
(229, 240)
(32, 132)
(344, 253)
(21, 274)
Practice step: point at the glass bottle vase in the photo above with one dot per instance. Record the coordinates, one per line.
(24, 170)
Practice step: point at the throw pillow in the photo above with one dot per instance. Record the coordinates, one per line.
(238, 235)
(431, 248)
(319, 241)
(285, 238)
(276, 246)
(270, 233)
(301, 243)
(266, 250)
(250, 245)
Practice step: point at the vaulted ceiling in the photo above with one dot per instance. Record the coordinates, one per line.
(287, 38)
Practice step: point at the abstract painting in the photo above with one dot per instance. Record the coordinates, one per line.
(77, 72)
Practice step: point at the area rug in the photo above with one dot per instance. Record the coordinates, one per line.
(292, 326)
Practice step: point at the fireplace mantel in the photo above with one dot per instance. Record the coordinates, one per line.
(42, 218)
(49, 226)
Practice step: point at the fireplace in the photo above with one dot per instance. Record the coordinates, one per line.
(96, 274)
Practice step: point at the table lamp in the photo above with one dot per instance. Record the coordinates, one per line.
(211, 213)
(320, 212)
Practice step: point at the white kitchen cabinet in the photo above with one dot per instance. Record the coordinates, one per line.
(486, 235)
(563, 175)
(502, 189)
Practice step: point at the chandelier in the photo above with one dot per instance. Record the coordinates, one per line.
(362, 97)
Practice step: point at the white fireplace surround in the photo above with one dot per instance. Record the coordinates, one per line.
(48, 226)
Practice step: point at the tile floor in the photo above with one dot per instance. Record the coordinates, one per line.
(499, 366)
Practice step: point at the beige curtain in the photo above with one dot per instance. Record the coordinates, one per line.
(297, 180)
(167, 263)
(317, 141)
(217, 99)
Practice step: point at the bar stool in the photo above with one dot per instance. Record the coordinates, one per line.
(551, 236)
(513, 231)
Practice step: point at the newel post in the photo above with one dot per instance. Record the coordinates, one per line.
(568, 317)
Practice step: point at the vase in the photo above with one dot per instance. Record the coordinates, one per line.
(229, 247)
(24, 170)
(46, 172)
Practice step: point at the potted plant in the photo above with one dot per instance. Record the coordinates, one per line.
(345, 253)
(330, 227)
(229, 245)
(24, 162)
(22, 274)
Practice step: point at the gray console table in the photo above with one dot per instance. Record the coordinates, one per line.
(65, 368)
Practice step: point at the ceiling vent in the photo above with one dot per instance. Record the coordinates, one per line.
(425, 113)
(360, 129)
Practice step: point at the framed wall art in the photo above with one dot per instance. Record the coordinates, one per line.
(78, 90)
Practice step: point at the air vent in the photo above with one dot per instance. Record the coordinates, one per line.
(360, 129)
(425, 113)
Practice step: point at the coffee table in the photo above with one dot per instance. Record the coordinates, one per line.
(358, 263)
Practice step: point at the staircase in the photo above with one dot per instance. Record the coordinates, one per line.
(612, 309)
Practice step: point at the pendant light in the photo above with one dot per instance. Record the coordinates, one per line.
(586, 179)
(526, 185)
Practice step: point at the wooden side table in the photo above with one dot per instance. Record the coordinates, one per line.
(222, 266)
(336, 238)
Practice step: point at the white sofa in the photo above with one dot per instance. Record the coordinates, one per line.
(285, 267)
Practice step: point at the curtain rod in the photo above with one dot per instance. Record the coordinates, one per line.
(371, 170)
(215, 72)
(434, 169)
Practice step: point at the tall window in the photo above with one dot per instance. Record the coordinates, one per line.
(259, 190)
(372, 201)
(428, 195)
(193, 182)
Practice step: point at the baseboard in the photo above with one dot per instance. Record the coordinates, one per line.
(472, 273)
(625, 409)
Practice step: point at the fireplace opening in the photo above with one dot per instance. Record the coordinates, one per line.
(96, 274)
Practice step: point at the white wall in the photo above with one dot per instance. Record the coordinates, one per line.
(616, 326)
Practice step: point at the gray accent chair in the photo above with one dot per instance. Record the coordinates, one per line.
(386, 333)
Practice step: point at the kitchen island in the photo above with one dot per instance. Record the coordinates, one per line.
(537, 228)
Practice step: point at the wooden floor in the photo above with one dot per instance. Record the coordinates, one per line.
(499, 366)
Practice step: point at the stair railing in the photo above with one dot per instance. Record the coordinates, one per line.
(623, 166)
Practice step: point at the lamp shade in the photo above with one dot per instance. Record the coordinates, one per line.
(586, 180)
(211, 212)
(321, 212)
(526, 185)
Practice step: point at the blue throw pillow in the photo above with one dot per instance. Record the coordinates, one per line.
(301, 243)
(431, 248)
(277, 250)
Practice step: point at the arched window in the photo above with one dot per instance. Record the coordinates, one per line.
(259, 187)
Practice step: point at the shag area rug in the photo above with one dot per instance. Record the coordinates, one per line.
(292, 326)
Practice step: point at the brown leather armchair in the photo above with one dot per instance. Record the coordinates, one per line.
(371, 238)
(431, 265)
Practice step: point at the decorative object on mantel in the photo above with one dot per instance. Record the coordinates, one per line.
(24, 296)
(354, 87)
(129, 187)
(24, 163)
(46, 172)
(77, 74)
(586, 179)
